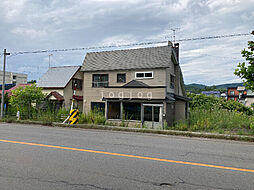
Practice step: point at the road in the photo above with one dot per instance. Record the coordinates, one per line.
(40, 157)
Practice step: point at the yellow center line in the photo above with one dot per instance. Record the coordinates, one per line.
(131, 156)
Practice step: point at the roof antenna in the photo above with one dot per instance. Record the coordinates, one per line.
(174, 33)
(49, 58)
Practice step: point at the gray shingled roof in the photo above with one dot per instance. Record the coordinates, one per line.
(143, 58)
(57, 77)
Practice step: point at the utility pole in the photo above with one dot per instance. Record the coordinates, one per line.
(49, 59)
(3, 85)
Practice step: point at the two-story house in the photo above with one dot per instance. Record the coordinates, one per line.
(143, 85)
(59, 83)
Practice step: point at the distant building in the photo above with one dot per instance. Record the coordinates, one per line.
(212, 93)
(13, 78)
(233, 93)
(240, 94)
(223, 95)
(249, 98)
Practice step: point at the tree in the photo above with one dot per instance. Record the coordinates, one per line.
(246, 71)
(23, 98)
(31, 82)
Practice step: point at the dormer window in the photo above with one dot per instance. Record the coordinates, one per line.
(144, 75)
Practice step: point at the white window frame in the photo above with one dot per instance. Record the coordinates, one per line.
(144, 75)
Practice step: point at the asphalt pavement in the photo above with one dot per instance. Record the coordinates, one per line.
(41, 157)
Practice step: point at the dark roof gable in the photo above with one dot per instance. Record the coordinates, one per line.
(135, 83)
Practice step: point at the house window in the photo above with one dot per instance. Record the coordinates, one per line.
(232, 93)
(114, 110)
(151, 113)
(144, 75)
(100, 80)
(131, 111)
(121, 77)
(14, 77)
(98, 107)
(172, 81)
(77, 84)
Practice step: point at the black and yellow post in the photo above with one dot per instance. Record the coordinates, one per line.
(74, 115)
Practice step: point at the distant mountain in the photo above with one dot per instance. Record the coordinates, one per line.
(229, 85)
(194, 85)
(198, 88)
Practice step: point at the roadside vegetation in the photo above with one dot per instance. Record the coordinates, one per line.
(212, 114)
(207, 113)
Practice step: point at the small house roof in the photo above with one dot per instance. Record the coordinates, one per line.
(56, 95)
(57, 77)
(14, 88)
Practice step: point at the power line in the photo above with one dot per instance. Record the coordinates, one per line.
(126, 45)
(214, 37)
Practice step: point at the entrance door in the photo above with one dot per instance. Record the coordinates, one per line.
(152, 115)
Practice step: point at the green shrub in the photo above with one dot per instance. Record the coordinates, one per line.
(217, 120)
(47, 117)
(201, 101)
(93, 117)
(62, 114)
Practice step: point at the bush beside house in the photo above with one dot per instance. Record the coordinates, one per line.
(212, 114)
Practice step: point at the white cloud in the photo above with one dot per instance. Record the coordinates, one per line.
(50, 24)
(29, 33)
(12, 10)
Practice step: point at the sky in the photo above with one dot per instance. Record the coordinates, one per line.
(28, 25)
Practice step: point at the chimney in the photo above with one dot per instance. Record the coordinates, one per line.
(176, 48)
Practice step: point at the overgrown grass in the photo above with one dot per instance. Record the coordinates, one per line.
(92, 117)
(218, 120)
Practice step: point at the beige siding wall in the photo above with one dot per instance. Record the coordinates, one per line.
(68, 93)
(169, 71)
(174, 70)
(78, 75)
(141, 93)
(159, 77)
(95, 94)
(180, 110)
(170, 113)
